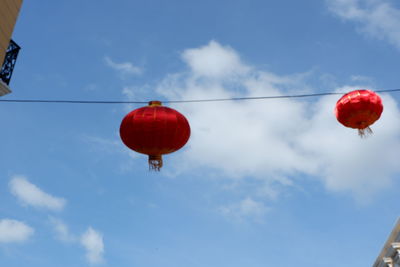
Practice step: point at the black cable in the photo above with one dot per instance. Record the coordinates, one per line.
(250, 98)
(71, 101)
(181, 101)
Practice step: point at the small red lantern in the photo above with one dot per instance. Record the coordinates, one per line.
(154, 130)
(359, 109)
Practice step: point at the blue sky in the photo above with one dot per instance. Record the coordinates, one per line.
(260, 183)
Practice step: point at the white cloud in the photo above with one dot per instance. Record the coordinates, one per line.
(214, 60)
(125, 68)
(275, 140)
(377, 19)
(247, 209)
(61, 230)
(14, 231)
(92, 241)
(30, 194)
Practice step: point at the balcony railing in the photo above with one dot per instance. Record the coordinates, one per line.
(9, 62)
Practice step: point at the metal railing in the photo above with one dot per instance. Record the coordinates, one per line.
(9, 62)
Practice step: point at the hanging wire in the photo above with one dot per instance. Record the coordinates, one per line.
(182, 101)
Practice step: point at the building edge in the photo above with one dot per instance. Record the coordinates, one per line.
(4, 89)
(387, 256)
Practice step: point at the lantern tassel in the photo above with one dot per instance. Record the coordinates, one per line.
(364, 133)
(155, 162)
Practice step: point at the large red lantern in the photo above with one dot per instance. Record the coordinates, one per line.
(359, 109)
(154, 130)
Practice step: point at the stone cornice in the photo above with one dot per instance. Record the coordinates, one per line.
(4, 89)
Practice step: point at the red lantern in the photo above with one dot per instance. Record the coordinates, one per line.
(359, 109)
(154, 130)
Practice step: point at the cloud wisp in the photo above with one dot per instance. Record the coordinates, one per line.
(246, 209)
(376, 19)
(124, 69)
(13, 231)
(31, 195)
(92, 241)
(62, 231)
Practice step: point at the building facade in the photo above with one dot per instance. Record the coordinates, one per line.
(390, 253)
(9, 10)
